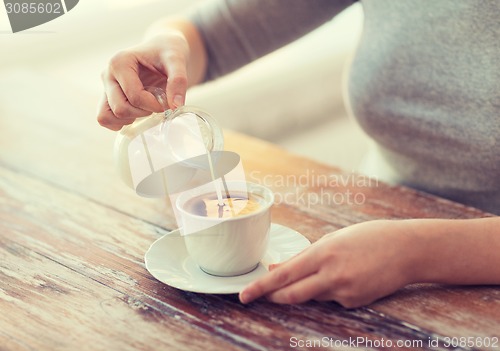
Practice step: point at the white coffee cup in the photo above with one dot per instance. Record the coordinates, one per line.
(227, 246)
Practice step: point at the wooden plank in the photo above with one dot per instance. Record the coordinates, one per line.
(75, 241)
(107, 248)
(48, 306)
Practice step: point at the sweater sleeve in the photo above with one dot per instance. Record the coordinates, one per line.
(236, 32)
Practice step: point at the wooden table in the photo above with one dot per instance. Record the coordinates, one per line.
(73, 238)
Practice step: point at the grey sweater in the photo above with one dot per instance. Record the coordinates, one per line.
(424, 84)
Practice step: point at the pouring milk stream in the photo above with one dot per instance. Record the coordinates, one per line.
(168, 153)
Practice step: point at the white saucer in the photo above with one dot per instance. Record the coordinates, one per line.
(168, 261)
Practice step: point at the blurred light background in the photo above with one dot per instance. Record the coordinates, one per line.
(292, 97)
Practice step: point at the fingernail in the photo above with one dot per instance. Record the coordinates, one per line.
(245, 297)
(178, 100)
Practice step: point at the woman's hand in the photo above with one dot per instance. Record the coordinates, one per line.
(161, 62)
(173, 58)
(353, 266)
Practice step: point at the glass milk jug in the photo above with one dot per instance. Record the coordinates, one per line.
(164, 153)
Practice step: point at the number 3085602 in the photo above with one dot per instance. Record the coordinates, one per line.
(471, 342)
(32, 7)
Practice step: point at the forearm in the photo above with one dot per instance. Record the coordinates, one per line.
(456, 251)
(197, 60)
(238, 32)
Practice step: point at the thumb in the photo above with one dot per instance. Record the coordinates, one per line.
(177, 82)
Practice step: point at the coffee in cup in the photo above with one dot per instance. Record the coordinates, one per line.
(228, 238)
(209, 205)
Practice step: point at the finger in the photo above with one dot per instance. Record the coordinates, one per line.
(177, 82)
(289, 272)
(300, 291)
(133, 90)
(119, 104)
(124, 70)
(107, 119)
(325, 296)
(273, 266)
